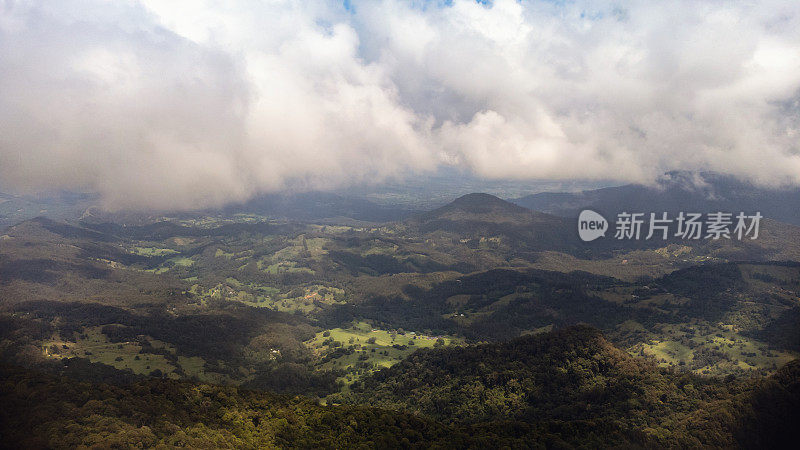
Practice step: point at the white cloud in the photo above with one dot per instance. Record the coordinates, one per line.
(183, 104)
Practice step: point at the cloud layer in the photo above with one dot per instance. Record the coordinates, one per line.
(186, 104)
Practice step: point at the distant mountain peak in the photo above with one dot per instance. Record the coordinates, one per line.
(484, 203)
(479, 207)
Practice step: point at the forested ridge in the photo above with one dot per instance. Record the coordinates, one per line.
(43, 410)
(575, 376)
(565, 388)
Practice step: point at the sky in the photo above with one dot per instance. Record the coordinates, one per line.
(183, 104)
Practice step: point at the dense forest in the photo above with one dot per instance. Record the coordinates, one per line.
(565, 388)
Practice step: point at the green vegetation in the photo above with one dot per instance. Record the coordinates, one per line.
(174, 414)
(448, 317)
(361, 349)
(152, 251)
(568, 388)
(574, 375)
(711, 350)
(95, 346)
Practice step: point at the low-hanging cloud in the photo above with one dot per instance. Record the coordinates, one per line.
(187, 104)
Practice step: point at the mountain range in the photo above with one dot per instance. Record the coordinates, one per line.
(674, 192)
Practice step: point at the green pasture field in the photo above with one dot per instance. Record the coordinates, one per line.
(387, 349)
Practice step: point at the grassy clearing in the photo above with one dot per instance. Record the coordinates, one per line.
(95, 346)
(153, 251)
(182, 261)
(283, 267)
(315, 246)
(711, 350)
(381, 249)
(362, 349)
(304, 299)
(223, 254)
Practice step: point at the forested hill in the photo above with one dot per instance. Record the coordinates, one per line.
(573, 379)
(479, 207)
(564, 389)
(476, 216)
(570, 373)
(45, 411)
